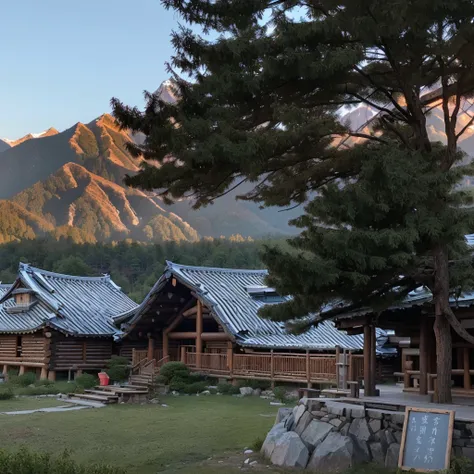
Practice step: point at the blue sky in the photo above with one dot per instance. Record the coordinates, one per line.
(63, 60)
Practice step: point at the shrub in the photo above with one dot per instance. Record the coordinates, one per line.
(174, 369)
(178, 384)
(25, 461)
(280, 394)
(6, 394)
(227, 389)
(160, 380)
(195, 387)
(29, 378)
(86, 381)
(117, 360)
(256, 446)
(45, 383)
(118, 369)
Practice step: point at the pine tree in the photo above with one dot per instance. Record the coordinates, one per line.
(262, 102)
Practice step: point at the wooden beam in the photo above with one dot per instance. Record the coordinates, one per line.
(373, 359)
(199, 335)
(190, 311)
(179, 317)
(355, 331)
(151, 348)
(352, 322)
(215, 336)
(165, 345)
(367, 344)
(308, 369)
(466, 367)
(182, 335)
(230, 357)
(424, 329)
(44, 373)
(338, 357)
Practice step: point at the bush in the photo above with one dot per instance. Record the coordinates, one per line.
(252, 383)
(45, 383)
(178, 384)
(280, 394)
(118, 369)
(227, 389)
(86, 381)
(29, 378)
(118, 360)
(256, 446)
(173, 370)
(160, 380)
(25, 461)
(196, 387)
(6, 395)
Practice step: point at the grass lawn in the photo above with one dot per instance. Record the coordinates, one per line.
(149, 438)
(28, 403)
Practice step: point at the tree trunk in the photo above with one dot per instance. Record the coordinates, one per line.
(442, 328)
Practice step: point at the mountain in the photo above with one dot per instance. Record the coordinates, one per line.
(30, 136)
(70, 184)
(4, 145)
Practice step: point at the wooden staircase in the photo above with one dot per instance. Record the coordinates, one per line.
(113, 394)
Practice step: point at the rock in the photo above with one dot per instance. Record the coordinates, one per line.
(248, 451)
(253, 463)
(357, 412)
(315, 433)
(398, 436)
(247, 461)
(164, 405)
(391, 459)
(267, 393)
(336, 422)
(303, 401)
(319, 414)
(360, 429)
(257, 392)
(275, 404)
(273, 435)
(457, 434)
(175, 393)
(313, 404)
(345, 429)
(154, 401)
(375, 414)
(336, 409)
(298, 412)
(303, 423)
(334, 454)
(246, 391)
(361, 451)
(206, 392)
(378, 453)
(388, 438)
(375, 426)
(282, 414)
(325, 418)
(470, 428)
(290, 451)
(398, 418)
(290, 422)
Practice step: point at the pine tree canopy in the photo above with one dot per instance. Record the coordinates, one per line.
(262, 91)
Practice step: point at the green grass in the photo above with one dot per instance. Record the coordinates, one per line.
(146, 439)
(28, 403)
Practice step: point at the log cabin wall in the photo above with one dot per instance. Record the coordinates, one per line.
(72, 353)
(24, 348)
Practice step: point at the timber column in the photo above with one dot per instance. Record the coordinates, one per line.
(151, 348)
(199, 335)
(424, 330)
(369, 360)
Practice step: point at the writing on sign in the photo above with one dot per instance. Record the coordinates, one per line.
(426, 439)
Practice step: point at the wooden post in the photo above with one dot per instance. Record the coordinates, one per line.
(230, 358)
(165, 344)
(22, 370)
(373, 359)
(151, 348)
(424, 329)
(5, 369)
(199, 335)
(308, 370)
(272, 367)
(466, 367)
(406, 377)
(44, 373)
(52, 375)
(367, 346)
(183, 354)
(338, 357)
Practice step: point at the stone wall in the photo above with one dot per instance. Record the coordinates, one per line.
(331, 436)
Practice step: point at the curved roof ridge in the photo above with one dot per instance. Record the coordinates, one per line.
(177, 266)
(26, 267)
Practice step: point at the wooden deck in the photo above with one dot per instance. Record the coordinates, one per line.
(273, 366)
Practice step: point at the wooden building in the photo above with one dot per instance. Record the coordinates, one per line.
(208, 318)
(52, 323)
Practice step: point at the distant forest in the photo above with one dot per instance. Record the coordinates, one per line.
(133, 266)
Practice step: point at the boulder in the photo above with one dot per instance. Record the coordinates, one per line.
(357, 412)
(387, 437)
(257, 392)
(290, 422)
(391, 459)
(272, 437)
(282, 414)
(290, 451)
(468, 453)
(378, 453)
(303, 423)
(360, 429)
(375, 426)
(298, 412)
(334, 454)
(336, 422)
(315, 433)
(246, 391)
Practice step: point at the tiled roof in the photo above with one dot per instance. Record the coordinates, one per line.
(230, 295)
(83, 306)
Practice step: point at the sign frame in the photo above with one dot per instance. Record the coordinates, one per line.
(449, 445)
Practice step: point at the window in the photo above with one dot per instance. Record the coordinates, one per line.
(19, 346)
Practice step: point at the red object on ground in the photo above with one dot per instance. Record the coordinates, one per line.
(103, 378)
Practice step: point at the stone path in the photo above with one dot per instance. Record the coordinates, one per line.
(45, 410)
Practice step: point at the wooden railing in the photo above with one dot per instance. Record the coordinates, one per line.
(273, 366)
(142, 354)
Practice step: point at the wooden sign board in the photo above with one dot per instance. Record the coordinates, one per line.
(426, 440)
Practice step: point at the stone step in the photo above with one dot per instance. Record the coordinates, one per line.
(97, 398)
(102, 393)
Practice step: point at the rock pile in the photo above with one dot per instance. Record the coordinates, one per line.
(332, 436)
